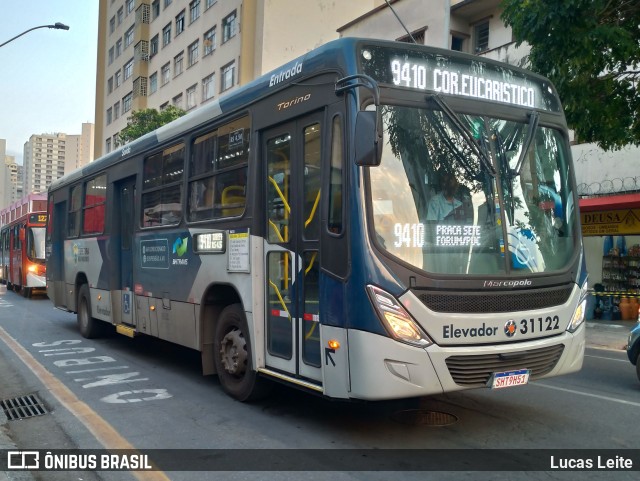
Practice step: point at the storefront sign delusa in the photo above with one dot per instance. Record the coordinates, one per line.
(611, 222)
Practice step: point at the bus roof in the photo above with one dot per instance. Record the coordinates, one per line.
(338, 55)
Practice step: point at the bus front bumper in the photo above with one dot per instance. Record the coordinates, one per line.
(38, 282)
(381, 368)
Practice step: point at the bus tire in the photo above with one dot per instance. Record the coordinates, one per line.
(232, 356)
(88, 326)
(26, 292)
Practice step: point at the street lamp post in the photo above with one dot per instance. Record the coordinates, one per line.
(57, 25)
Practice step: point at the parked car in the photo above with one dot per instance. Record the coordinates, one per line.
(633, 347)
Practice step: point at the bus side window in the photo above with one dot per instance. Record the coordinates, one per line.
(335, 179)
(162, 182)
(75, 209)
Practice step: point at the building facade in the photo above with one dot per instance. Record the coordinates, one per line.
(49, 156)
(155, 53)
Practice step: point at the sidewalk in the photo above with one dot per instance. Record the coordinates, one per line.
(604, 334)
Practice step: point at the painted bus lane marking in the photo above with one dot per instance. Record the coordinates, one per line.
(106, 434)
(88, 368)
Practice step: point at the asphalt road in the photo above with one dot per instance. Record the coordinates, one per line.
(147, 394)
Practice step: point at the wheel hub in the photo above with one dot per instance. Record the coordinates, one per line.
(233, 352)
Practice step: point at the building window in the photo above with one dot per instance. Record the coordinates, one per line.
(229, 26)
(166, 35)
(111, 55)
(154, 46)
(194, 11)
(180, 23)
(165, 73)
(458, 42)
(126, 102)
(153, 82)
(116, 110)
(209, 41)
(417, 35)
(481, 37)
(112, 25)
(191, 97)
(177, 101)
(193, 52)
(208, 86)
(110, 85)
(128, 69)
(109, 115)
(120, 15)
(177, 64)
(209, 3)
(130, 6)
(108, 145)
(118, 47)
(227, 77)
(118, 77)
(128, 37)
(155, 9)
(167, 3)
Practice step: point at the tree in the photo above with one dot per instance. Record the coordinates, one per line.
(590, 50)
(142, 121)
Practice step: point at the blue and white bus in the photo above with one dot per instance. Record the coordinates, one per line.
(373, 220)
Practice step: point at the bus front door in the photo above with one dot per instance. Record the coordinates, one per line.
(292, 185)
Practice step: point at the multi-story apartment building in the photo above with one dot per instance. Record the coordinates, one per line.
(154, 53)
(79, 148)
(43, 160)
(472, 26)
(13, 172)
(49, 156)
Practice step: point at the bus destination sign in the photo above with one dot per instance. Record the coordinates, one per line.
(457, 76)
(210, 242)
(37, 218)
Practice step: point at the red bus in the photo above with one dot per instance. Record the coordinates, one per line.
(22, 245)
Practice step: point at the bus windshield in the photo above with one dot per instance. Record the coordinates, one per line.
(438, 205)
(36, 243)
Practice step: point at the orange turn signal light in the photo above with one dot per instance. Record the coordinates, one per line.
(333, 344)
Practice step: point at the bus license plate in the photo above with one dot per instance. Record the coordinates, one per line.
(510, 378)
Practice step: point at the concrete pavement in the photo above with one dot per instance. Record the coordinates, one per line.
(601, 334)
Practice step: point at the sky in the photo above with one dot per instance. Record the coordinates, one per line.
(48, 76)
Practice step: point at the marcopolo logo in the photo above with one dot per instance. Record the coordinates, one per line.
(510, 283)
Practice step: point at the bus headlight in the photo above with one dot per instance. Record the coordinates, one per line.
(580, 312)
(398, 322)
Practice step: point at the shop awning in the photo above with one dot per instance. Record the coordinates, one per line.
(611, 202)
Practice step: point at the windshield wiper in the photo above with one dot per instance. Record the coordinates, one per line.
(464, 131)
(531, 131)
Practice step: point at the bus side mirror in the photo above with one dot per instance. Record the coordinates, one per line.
(368, 139)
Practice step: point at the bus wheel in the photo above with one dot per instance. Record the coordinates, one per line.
(87, 325)
(233, 356)
(26, 292)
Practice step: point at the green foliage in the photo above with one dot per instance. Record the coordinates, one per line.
(141, 122)
(590, 50)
